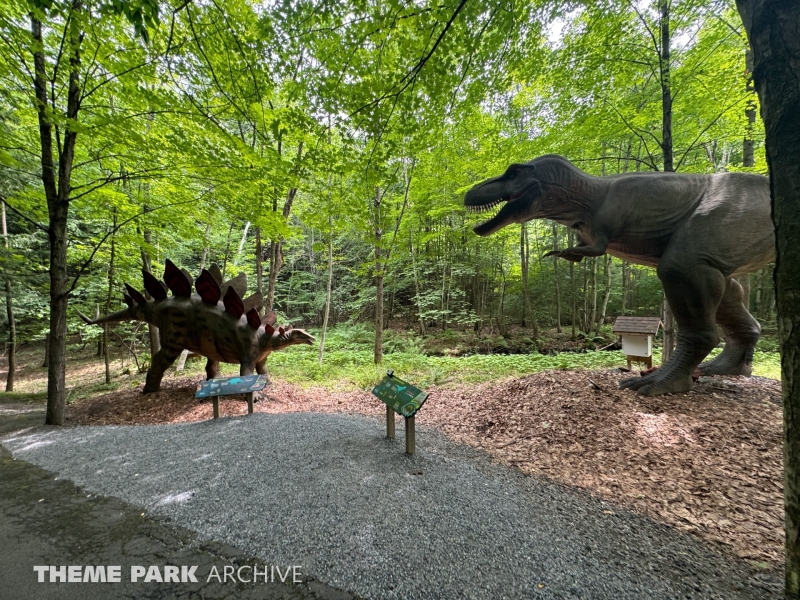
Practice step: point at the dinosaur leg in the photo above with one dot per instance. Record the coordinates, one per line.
(162, 360)
(694, 294)
(261, 368)
(212, 369)
(741, 335)
(247, 368)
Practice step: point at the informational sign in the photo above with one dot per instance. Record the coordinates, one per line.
(225, 386)
(402, 397)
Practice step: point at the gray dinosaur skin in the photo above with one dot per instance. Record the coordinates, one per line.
(698, 231)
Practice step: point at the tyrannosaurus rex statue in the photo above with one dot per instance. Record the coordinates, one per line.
(699, 231)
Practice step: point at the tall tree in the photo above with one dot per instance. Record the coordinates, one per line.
(12, 325)
(773, 28)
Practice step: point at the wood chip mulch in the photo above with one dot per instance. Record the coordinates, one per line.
(707, 462)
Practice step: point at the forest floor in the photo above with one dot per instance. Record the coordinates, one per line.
(708, 462)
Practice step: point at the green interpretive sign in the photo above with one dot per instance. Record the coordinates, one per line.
(402, 397)
(225, 386)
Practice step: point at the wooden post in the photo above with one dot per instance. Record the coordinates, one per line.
(411, 441)
(215, 402)
(249, 397)
(389, 423)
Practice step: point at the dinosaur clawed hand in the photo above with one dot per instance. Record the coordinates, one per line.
(565, 254)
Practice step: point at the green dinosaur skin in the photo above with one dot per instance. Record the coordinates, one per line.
(698, 231)
(205, 329)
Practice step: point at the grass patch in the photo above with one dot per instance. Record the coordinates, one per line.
(23, 397)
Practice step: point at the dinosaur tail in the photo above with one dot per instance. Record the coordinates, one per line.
(127, 314)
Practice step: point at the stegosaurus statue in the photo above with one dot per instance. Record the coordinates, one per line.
(215, 322)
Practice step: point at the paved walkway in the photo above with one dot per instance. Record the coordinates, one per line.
(44, 521)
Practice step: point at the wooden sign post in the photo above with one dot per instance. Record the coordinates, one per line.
(227, 386)
(404, 399)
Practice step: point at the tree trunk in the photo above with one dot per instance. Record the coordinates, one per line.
(416, 285)
(12, 324)
(593, 320)
(748, 145)
(227, 251)
(773, 27)
(574, 307)
(666, 148)
(626, 275)
(669, 332)
(57, 189)
(259, 263)
(666, 92)
(155, 340)
(108, 299)
(606, 295)
(378, 348)
(242, 242)
(204, 256)
(46, 360)
(558, 283)
(329, 287)
(523, 259)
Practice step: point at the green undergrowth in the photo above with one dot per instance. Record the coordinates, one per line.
(355, 368)
(348, 362)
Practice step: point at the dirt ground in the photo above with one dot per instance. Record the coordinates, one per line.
(708, 462)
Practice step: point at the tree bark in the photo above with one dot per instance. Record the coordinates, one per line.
(555, 274)
(574, 303)
(204, 256)
(666, 148)
(57, 189)
(773, 28)
(227, 251)
(12, 324)
(606, 294)
(329, 286)
(152, 330)
(106, 353)
(523, 259)
(669, 333)
(259, 263)
(416, 285)
(378, 273)
(593, 320)
(748, 145)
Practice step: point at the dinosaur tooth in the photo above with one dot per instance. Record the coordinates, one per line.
(153, 286)
(135, 295)
(208, 288)
(253, 319)
(255, 301)
(128, 300)
(233, 303)
(176, 280)
(215, 273)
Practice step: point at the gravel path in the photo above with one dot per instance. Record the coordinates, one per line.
(327, 492)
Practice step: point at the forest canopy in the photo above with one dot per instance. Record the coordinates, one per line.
(278, 138)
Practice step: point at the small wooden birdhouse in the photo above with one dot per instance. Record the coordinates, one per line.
(637, 337)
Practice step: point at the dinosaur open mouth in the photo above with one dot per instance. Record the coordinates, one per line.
(495, 222)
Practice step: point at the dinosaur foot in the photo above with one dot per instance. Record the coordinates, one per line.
(726, 367)
(658, 382)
